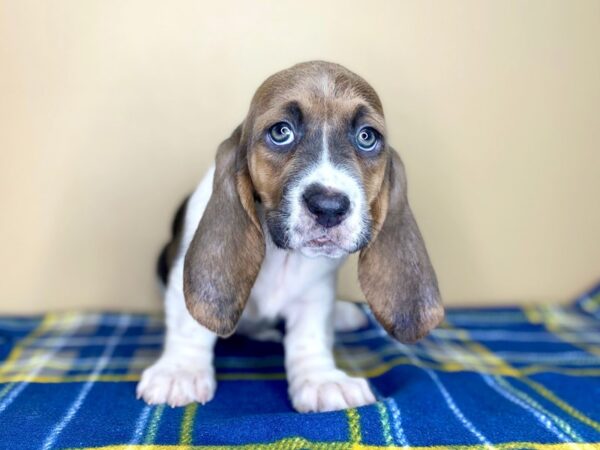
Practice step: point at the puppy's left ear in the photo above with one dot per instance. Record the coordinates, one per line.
(225, 255)
(394, 271)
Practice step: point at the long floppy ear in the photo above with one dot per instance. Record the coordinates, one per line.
(395, 273)
(227, 250)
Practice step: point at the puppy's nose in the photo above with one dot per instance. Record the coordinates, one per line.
(329, 207)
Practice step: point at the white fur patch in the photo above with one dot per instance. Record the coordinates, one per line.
(302, 226)
(327, 85)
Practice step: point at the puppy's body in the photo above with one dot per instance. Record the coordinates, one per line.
(307, 179)
(290, 285)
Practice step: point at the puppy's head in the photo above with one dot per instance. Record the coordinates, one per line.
(317, 154)
(313, 153)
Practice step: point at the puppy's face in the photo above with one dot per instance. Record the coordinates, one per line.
(316, 153)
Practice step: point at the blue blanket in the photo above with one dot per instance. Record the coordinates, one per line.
(507, 378)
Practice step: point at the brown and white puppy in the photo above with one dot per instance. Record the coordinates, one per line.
(305, 180)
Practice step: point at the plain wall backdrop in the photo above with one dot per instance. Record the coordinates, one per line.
(110, 111)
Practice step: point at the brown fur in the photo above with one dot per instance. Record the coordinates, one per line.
(395, 273)
(227, 250)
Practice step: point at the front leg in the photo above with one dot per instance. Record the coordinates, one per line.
(315, 383)
(184, 373)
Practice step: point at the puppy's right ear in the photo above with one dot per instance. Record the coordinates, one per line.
(225, 255)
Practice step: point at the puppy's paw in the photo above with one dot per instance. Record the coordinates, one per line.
(165, 382)
(329, 391)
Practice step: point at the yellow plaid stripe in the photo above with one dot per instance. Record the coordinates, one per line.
(187, 424)
(354, 425)
(154, 423)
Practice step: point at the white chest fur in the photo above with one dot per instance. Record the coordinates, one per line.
(285, 277)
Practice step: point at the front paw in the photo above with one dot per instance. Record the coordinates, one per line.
(176, 384)
(330, 390)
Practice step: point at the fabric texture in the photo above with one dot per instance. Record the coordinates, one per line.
(509, 378)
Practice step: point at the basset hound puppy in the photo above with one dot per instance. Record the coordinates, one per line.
(308, 178)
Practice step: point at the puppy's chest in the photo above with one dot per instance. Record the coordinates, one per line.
(284, 277)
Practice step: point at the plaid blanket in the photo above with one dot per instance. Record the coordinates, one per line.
(507, 378)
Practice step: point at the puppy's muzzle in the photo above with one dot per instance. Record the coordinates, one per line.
(328, 207)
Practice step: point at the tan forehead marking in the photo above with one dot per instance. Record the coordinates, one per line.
(327, 85)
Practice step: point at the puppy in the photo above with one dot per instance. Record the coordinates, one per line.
(308, 178)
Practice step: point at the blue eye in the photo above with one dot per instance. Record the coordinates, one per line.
(367, 139)
(281, 133)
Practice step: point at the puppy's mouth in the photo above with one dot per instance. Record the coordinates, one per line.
(326, 245)
(321, 241)
(322, 246)
(311, 239)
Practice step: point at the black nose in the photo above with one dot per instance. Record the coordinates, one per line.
(329, 207)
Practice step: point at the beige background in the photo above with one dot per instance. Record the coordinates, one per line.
(111, 110)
